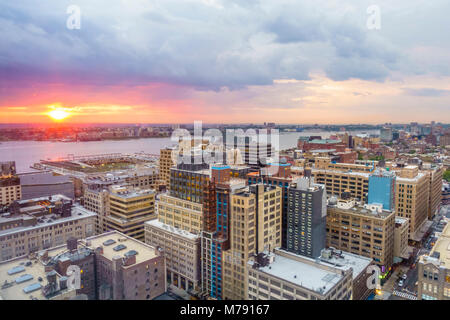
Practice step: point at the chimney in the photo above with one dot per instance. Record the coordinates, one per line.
(63, 283)
(129, 260)
(72, 244)
(307, 173)
(99, 250)
(51, 277)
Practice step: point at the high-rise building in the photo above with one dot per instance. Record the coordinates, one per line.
(444, 140)
(189, 183)
(306, 218)
(181, 250)
(182, 214)
(255, 226)
(216, 235)
(166, 161)
(44, 184)
(386, 134)
(339, 181)
(435, 175)
(254, 153)
(95, 199)
(128, 209)
(96, 189)
(197, 207)
(40, 223)
(382, 189)
(279, 174)
(10, 189)
(282, 275)
(401, 237)
(434, 270)
(412, 197)
(112, 266)
(364, 230)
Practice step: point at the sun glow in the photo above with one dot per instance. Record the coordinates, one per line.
(58, 114)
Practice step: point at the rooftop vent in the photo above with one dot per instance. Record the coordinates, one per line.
(63, 283)
(24, 278)
(119, 247)
(32, 287)
(109, 242)
(16, 270)
(131, 253)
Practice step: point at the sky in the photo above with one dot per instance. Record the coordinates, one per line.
(225, 61)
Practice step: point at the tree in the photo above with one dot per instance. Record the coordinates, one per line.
(447, 175)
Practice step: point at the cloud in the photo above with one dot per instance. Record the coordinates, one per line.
(204, 44)
(222, 57)
(426, 92)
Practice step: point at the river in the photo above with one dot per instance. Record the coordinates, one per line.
(26, 153)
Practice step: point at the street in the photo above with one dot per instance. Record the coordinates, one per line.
(409, 288)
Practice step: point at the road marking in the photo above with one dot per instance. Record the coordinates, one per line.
(404, 295)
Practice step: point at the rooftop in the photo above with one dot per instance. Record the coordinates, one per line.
(419, 176)
(324, 141)
(111, 249)
(401, 221)
(175, 231)
(351, 207)
(128, 193)
(42, 178)
(77, 212)
(441, 248)
(341, 258)
(22, 279)
(248, 190)
(305, 272)
(346, 172)
(113, 177)
(321, 150)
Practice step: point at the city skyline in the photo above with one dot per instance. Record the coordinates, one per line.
(225, 62)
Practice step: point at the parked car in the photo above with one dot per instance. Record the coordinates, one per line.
(400, 283)
(404, 277)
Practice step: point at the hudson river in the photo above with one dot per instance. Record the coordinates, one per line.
(26, 153)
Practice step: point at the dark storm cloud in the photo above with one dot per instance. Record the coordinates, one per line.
(205, 44)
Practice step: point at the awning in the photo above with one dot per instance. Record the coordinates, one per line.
(397, 260)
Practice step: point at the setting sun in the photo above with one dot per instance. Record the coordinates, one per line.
(58, 114)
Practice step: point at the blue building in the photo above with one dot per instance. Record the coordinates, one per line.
(382, 189)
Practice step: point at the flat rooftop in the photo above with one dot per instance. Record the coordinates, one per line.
(343, 172)
(305, 272)
(359, 210)
(346, 259)
(399, 220)
(179, 232)
(77, 212)
(442, 247)
(322, 150)
(53, 198)
(419, 176)
(42, 178)
(129, 194)
(116, 176)
(144, 251)
(246, 191)
(19, 279)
